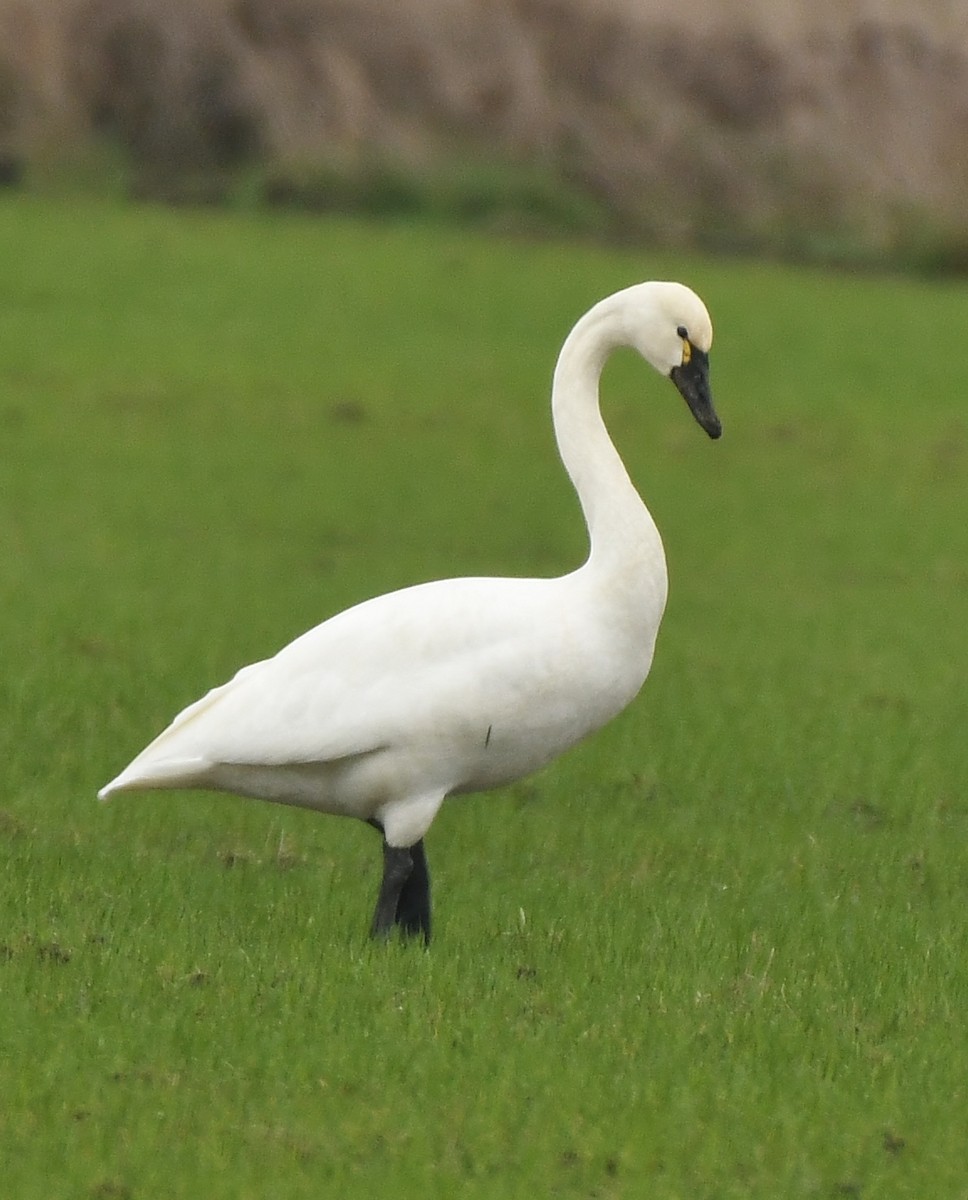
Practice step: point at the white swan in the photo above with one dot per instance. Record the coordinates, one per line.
(460, 685)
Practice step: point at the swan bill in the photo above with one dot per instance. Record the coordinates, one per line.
(691, 377)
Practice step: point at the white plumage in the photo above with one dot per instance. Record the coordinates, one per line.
(463, 684)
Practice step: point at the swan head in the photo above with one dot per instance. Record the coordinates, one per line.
(669, 326)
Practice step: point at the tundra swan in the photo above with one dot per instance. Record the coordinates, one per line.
(465, 684)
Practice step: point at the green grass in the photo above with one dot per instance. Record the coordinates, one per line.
(716, 952)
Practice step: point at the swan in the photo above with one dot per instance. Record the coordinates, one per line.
(460, 685)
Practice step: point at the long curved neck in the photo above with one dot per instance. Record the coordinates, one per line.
(621, 531)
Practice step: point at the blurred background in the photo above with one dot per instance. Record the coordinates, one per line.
(834, 131)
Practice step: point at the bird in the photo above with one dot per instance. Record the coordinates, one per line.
(460, 685)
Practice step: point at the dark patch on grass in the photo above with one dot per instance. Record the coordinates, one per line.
(10, 826)
(91, 647)
(782, 432)
(526, 793)
(111, 1189)
(283, 860)
(235, 858)
(892, 1143)
(53, 952)
(141, 1076)
(887, 702)
(12, 418)
(869, 816)
(18, 946)
(348, 412)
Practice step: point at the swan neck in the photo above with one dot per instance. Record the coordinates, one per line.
(618, 522)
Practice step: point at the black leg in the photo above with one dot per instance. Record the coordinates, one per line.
(404, 897)
(397, 868)
(413, 906)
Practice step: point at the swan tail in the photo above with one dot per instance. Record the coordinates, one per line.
(146, 777)
(167, 762)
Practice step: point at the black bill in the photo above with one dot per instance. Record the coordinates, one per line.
(692, 380)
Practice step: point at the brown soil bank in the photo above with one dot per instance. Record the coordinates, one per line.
(769, 123)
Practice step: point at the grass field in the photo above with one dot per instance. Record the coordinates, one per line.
(716, 952)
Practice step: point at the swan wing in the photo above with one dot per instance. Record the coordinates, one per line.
(432, 664)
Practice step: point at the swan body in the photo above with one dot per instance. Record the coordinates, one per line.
(460, 685)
